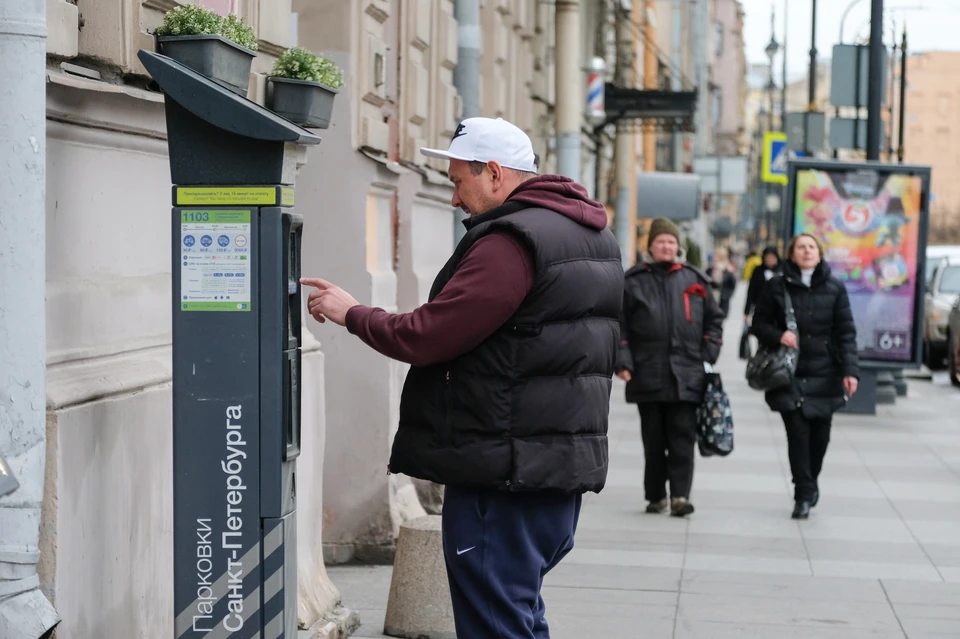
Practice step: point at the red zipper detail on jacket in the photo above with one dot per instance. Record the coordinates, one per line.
(686, 303)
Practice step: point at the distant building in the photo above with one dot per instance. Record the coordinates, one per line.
(932, 136)
(728, 78)
(726, 129)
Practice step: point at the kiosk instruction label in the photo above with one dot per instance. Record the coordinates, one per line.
(215, 260)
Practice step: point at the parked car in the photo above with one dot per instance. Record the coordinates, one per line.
(943, 291)
(935, 254)
(953, 344)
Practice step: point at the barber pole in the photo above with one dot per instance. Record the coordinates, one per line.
(595, 89)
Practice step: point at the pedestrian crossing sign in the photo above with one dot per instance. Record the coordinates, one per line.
(775, 156)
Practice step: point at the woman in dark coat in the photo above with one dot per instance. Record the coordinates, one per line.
(827, 368)
(768, 268)
(669, 326)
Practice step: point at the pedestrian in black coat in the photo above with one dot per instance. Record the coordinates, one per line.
(670, 325)
(769, 267)
(827, 368)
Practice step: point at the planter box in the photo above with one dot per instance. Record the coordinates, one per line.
(308, 104)
(226, 63)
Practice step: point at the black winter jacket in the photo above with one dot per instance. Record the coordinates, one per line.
(527, 409)
(757, 281)
(827, 339)
(670, 325)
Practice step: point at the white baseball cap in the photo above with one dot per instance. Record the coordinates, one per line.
(489, 140)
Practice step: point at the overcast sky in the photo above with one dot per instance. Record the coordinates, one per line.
(931, 25)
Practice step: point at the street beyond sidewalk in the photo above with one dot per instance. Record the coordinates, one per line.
(879, 557)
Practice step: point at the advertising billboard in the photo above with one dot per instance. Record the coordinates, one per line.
(872, 221)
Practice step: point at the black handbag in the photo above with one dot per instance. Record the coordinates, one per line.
(745, 342)
(773, 368)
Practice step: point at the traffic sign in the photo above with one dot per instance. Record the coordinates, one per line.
(775, 158)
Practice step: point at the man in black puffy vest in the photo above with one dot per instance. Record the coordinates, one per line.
(507, 398)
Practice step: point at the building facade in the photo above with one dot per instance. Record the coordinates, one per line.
(932, 135)
(728, 78)
(106, 530)
(726, 107)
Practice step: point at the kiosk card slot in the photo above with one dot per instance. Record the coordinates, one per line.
(291, 406)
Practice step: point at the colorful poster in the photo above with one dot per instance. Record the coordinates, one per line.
(869, 224)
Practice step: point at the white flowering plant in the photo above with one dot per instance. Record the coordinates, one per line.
(193, 19)
(298, 63)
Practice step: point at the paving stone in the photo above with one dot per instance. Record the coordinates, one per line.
(773, 525)
(614, 577)
(941, 492)
(817, 613)
(876, 570)
(865, 551)
(597, 557)
(911, 592)
(936, 532)
(564, 596)
(566, 626)
(723, 630)
(871, 529)
(950, 575)
(766, 565)
(757, 547)
(760, 586)
(929, 620)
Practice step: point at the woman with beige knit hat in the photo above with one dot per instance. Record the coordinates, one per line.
(669, 326)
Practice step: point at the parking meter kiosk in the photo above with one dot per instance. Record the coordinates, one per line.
(236, 358)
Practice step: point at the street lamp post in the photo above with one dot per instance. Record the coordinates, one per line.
(903, 93)
(759, 194)
(783, 73)
(812, 87)
(875, 79)
(771, 50)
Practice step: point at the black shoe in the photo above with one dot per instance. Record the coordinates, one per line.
(680, 507)
(801, 510)
(815, 498)
(658, 507)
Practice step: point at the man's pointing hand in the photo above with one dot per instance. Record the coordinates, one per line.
(328, 301)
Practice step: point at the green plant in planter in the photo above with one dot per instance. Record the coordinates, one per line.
(298, 63)
(193, 19)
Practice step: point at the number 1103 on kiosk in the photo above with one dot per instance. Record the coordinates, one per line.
(194, 216)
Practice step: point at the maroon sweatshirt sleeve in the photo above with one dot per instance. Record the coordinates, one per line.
(492, 280)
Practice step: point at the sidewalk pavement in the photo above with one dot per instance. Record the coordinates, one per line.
(879, 557)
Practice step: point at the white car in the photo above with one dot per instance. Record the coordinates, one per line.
(935, 254)
(943, 290)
